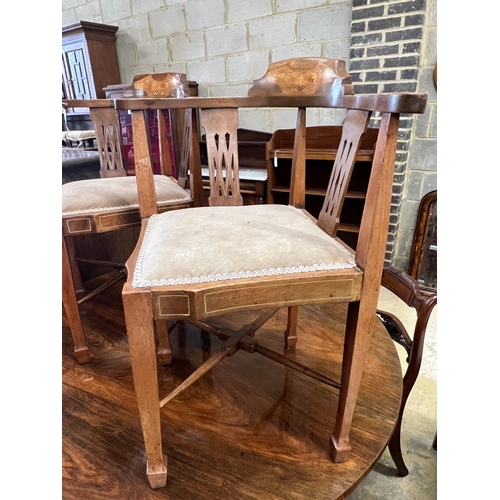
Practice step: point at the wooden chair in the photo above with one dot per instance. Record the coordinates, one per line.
(422, 299)
(194, 264)
(81, 137)
(111, 202)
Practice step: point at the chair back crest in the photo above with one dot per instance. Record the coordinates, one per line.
(157, 85)
(307, 76)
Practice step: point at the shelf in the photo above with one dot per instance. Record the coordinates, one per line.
(317, 154)
(358, 195)
(322, 143)
(349, 228)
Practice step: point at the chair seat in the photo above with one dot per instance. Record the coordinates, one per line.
(224, 243)
(115, 193)
(79, 135)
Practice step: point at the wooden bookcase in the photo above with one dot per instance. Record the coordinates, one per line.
(322, 143)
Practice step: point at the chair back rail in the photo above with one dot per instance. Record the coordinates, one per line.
(143, 165)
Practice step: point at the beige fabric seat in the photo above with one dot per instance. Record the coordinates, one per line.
(262, 240)
(79, 136)
(115, 193)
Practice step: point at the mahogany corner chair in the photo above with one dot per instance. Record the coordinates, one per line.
(194, 264)
(423, 299)
(111, 202)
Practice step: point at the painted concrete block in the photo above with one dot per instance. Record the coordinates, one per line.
(152, 52)
(202, 14)
(247, 66)
(226, 39)
(241, 10)
(187, 46)
(164, 22)
(211, 70)
(299, 50)
(273, 31)
(328, 23)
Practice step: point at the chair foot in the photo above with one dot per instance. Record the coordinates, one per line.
(395, 451)
(157, 478)
(82, 355)
(165, 357)
(339, 453)
(291, 328)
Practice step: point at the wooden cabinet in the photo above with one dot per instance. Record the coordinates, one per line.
(89, 62)
(321, 150)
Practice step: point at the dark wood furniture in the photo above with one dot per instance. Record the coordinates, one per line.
(192, 265)
(322, 145)
(423, 257)
(89, 63)
(235, 434)
(417, 289)
(79, 164)
(173, 124)
(110, 204)
(252, 146)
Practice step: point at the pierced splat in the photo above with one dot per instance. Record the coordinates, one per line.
(353, 130)
(109, 144)
(182, 176)
(222, 152)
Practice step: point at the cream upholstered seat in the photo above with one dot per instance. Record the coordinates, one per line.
(263, 240)
(115, 193)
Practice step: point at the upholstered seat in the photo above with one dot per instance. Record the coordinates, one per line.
(79, 135)
(115, 193)
(263, 240)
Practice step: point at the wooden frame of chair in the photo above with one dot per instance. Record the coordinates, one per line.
(406, 287)
(197, 302)
(107, 125)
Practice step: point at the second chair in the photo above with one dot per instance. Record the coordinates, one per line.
(111, 202)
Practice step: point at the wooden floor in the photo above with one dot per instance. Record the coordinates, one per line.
(249, 429)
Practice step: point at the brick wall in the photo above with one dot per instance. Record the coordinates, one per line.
(392, 50)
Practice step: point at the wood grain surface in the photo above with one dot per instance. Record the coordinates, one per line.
(249, 429)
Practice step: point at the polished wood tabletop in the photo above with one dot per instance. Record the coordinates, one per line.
(249, 429)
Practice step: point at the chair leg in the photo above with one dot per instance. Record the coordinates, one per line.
(71, 308)
(395, 447)
(291, 327)
(142, 348)
(164, 350)
(414, 363)
(359, 328)
(75, 270)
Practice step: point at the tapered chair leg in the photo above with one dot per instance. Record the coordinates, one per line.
(164, 349)
(75, 270)
(359, 328)
(142, 348)
(291, 327)
(71, 308)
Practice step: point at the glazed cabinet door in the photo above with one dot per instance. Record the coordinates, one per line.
(76, 72)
